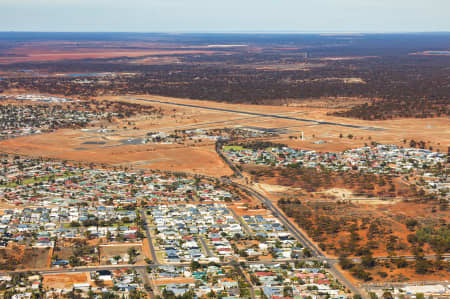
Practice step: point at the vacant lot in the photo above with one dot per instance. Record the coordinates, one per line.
(62, 253)
(248, 209)
(36, 258)
(65, 281)
(108, 252)
(19, 257)
(179, 280)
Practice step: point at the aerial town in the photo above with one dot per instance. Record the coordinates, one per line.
(73, 228)
(259, 166)
(176, 234)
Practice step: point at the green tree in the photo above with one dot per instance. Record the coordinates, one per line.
(368, 261)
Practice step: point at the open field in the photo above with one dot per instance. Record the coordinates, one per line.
(383, 228)
(247, 209)
(376, 219)
(435, 130)
(63, 145)
(123, 145)
(391, 274)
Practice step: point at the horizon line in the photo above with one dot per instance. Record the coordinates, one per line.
(239, 32)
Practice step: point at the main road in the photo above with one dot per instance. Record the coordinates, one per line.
(317, 122)
(299, 235)
(149, 239)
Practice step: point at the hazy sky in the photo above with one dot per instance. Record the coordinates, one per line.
(225, 15)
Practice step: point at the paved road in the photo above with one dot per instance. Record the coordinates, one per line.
(230, 164)
(303, 239)
(318, 255)
(143, 268)
(266, 200)
(242, 223)
(137, 267)
(147, 282)
(199, 125)
(149, 238)
(261, 114)
(208, 251)
(134, 266)
(268, 203)
(300, 236)
(247, 279)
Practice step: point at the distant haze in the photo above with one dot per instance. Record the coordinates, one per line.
(226, 15)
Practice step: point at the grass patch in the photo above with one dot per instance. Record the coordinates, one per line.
(233, 148)
(160, 255)
(38, 179)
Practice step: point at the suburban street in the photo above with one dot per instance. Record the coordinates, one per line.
(149, 238)
(205, 246)
(315, 253)
(242, 223)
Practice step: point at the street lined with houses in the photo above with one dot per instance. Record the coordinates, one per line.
(100, 237)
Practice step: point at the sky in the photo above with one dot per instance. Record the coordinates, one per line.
(225, 15)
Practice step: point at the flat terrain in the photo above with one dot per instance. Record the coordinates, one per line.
(25, 258)
(56, 51)
(184, 94)
(435, 130)
(65, 281)
(123, 145)
(343, 207)
(110, 251)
